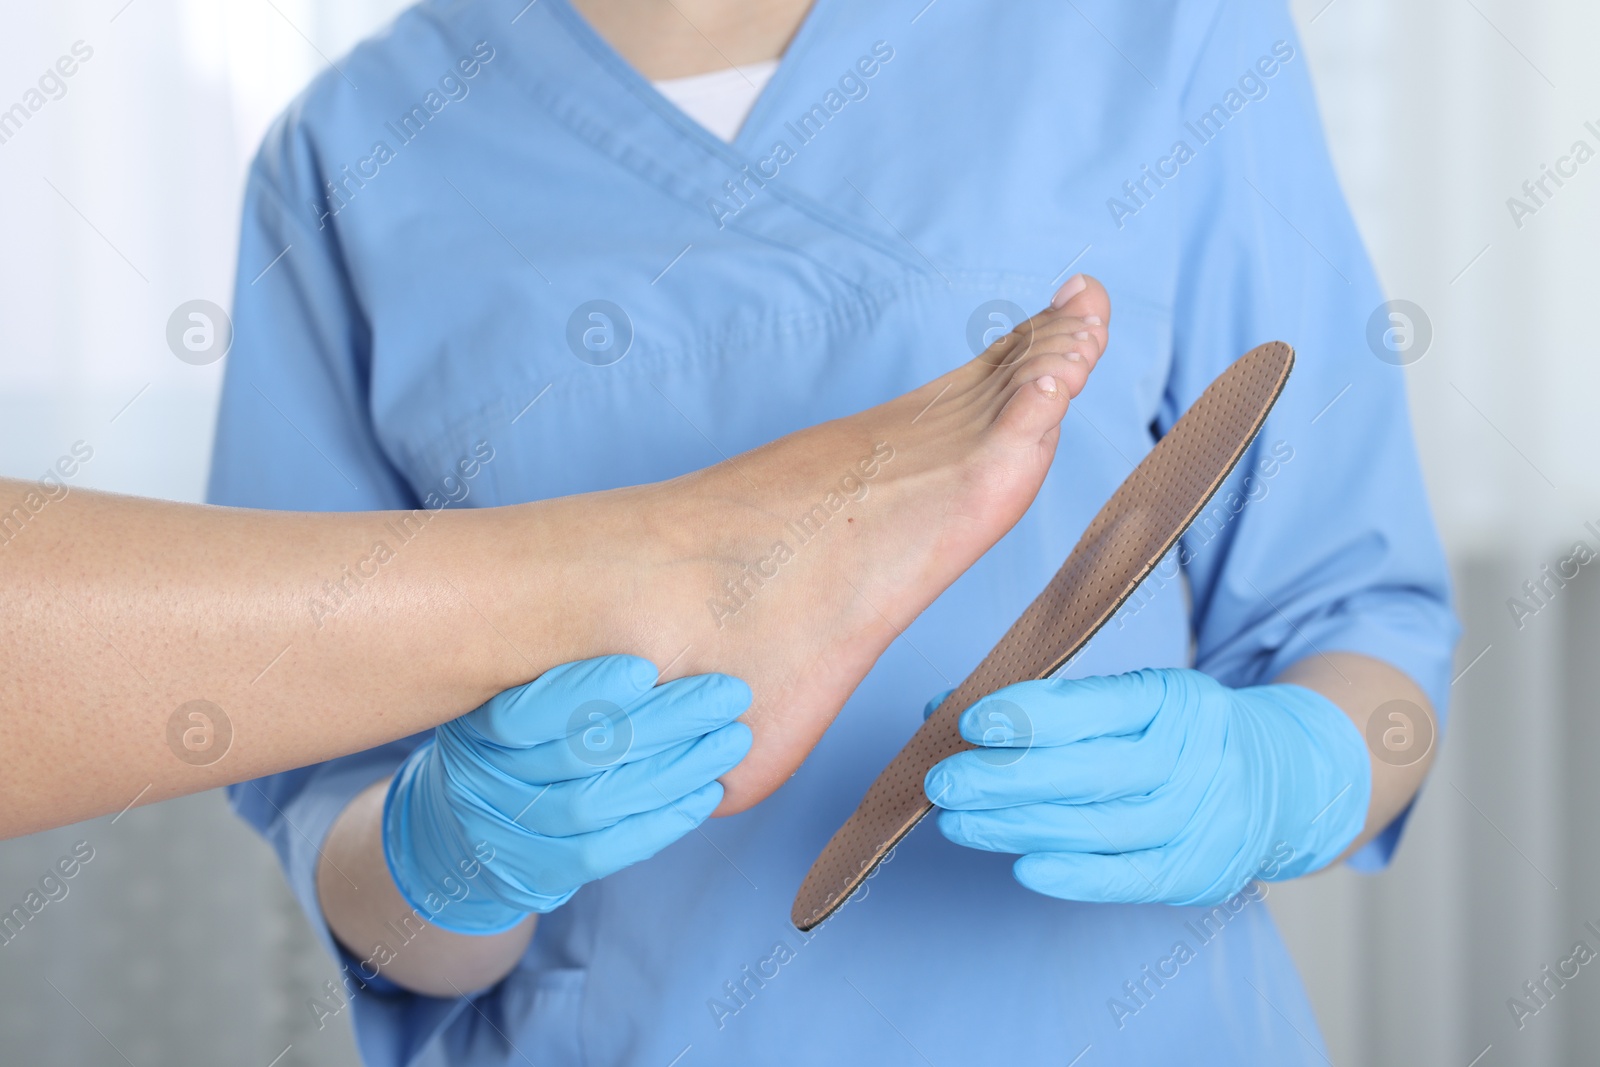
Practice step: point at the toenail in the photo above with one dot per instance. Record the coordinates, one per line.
(1081, 335)
(1074, 357)
(1091, 320)
(1069, 289)
(1047, 385)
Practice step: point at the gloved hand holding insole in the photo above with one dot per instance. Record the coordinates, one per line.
(1156, 786)
(586, 770)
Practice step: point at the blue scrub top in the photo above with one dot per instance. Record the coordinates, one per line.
(422, 226)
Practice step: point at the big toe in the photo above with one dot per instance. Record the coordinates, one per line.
(1034, 410)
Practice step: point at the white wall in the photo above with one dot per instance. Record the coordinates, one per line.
(121, 201)
(1437, 111)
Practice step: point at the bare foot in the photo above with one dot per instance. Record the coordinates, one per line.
(810, 554)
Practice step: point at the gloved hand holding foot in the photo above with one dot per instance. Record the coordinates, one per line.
(584, 771)
(1156, 786)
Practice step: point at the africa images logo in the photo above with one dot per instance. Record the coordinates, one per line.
(1251, 86)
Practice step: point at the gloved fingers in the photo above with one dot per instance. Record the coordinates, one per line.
(551, 866)
(1103, 768)
(584, 805)
(539, 711)
(1140, 877)
(600, 735)
(1120, 826)
(1062, 711)
(681, 710)
(933, 705)
(1170, 875)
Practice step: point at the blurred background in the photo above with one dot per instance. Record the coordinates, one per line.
(178, 944)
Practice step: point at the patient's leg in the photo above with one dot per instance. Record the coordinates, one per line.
(794, 566)
(791, 566)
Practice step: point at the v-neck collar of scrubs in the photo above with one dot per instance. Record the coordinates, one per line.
(576, 76)
(618, 67)
(719, 100)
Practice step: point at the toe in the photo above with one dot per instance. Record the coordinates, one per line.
(1033, 409)
(1068, 337)
(1082, 297)
(1064, 341)
(1059, 359)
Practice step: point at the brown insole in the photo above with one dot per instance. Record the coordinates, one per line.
(1136, 528)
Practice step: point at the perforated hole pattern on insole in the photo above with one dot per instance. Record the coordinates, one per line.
(1133, 531)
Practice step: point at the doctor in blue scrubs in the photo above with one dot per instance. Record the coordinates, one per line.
(488, 225)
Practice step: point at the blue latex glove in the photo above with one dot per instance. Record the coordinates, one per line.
(1157, 786)
(584, 771)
